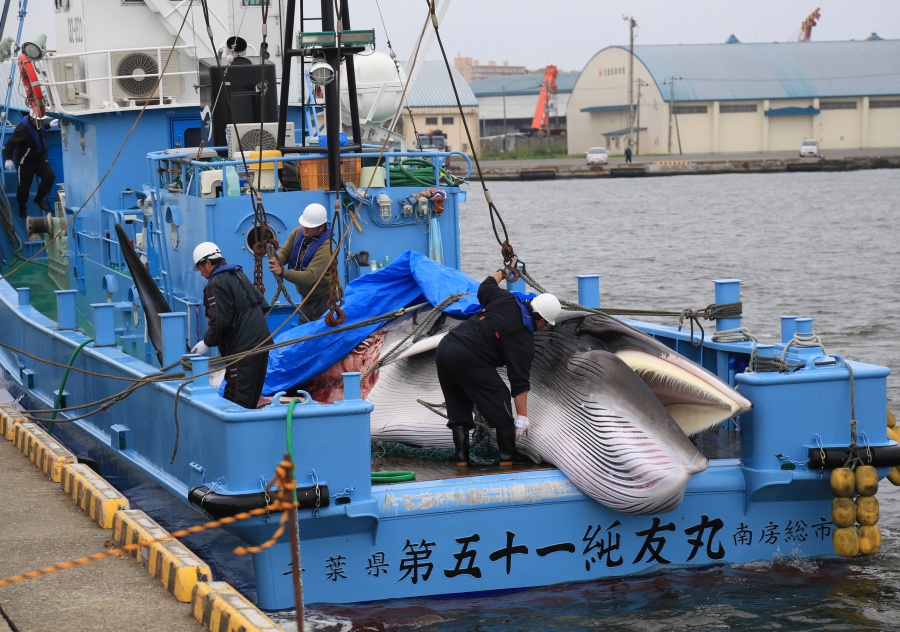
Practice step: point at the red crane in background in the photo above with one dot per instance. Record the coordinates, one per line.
(808, 24)
(541, 119)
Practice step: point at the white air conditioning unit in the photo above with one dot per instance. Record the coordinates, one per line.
(135, 74)
(253, 137)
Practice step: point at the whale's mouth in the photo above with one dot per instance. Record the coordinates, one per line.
(695, 399)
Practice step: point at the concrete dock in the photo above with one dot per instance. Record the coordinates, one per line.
(42, 526)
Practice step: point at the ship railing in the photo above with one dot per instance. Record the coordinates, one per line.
(202, 173)
(87, 82)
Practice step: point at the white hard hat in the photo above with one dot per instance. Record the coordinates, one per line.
(314, 216)
(204, 251)
(547, 307)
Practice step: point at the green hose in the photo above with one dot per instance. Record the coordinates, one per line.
(290, 438)
(377, 477)
(418, 172)
(393, 477)
(62, 384)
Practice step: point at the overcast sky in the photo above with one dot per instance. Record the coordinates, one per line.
(567, 33)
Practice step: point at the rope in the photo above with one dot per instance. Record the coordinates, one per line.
(426, 324)
(283, 479)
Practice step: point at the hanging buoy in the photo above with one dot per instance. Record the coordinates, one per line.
(869, 540)
(891, 420)
(843, 512)
(866, 480)
(894, 475)
(866, 510)
(893, 434)
(846, 541)
(843, 482)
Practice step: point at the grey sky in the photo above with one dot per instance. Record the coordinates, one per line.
(567, 33)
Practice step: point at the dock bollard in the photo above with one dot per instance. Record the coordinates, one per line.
(66, 310)
(788, 328)
(104, 324)
(589, 290)
(728, 291)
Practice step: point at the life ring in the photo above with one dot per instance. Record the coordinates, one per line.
(34, 94)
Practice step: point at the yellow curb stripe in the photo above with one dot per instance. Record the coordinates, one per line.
(133, 526)
(177, 568)
(9, 419)
(165, 558)
(221, 608)
(44, 451)
(92, 493)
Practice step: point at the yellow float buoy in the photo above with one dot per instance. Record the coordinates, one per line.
(893, 434)
(894, 475)
(846, 541)
(866, 510)
(843, 482)
(843, 512)
(866, 480)
(869, 540)
(891, 420)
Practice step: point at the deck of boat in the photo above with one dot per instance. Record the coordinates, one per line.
(716, 443)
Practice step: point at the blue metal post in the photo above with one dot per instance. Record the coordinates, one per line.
(788, 328)
(517, 286)
(174, 335)
(66, 310)
(104, 324)
(727, 291)
(199, 368)
(804, 326)
(589, 290)
(24, 296)
(352, 385)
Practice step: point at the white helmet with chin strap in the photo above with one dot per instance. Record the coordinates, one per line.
(204, 251)
(314, 216)
(546, 306)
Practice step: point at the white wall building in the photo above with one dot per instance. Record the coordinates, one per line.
(734, 97)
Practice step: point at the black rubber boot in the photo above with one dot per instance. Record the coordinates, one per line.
(506, 444)
(461, 445)
(42, 204)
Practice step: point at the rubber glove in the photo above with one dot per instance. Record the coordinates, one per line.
(9, 166)
(54, 123)
(200, 348)
(521, 427)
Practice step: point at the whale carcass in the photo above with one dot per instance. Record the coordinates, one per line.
(609, 406)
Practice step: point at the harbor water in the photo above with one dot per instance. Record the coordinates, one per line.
(819, 245)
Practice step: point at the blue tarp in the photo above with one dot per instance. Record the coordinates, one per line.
(411, 279)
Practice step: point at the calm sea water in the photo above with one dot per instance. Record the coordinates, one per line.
(820, 245)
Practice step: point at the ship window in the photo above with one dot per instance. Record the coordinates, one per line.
(62, 5)
(253, 3)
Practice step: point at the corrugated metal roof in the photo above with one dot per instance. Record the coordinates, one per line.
(432, 88)
(528, 84)
(789, 70)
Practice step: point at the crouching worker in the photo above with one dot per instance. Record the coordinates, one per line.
(467, 360)
(237, 323)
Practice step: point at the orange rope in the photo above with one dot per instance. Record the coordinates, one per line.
(283, 480)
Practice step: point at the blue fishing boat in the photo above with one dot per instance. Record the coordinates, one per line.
(653, 446)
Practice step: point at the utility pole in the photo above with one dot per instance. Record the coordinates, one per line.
(504, 118)
(671, 83)
(631, 25)
(637, 146)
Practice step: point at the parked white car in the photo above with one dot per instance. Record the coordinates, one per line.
(809, 148)
(597, 156)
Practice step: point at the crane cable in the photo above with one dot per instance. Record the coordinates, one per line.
(510, 259)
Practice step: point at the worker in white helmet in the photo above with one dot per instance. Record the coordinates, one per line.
(235, 311)
(303, 260)
(467, 360)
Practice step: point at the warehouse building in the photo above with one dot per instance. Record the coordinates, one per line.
(736, 97)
